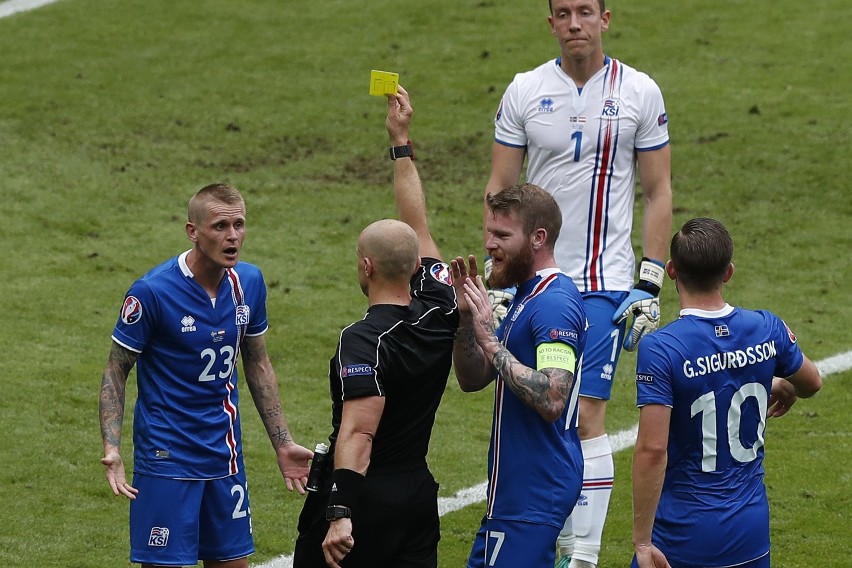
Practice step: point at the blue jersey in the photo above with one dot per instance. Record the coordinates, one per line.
(536, 467)
(715, 370)
(186, 422)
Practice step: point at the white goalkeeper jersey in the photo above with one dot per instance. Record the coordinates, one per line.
(581, 147)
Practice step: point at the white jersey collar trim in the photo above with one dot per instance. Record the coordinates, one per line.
(545, 272)
(706, 314)
(184, 267)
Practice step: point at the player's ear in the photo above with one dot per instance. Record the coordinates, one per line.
(670, 270)
(191, 232)
(728, 273)
(539, 237)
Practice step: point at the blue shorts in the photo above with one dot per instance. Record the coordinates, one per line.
(762, 562)
(603, 343)
(176, 522)
(509, 544)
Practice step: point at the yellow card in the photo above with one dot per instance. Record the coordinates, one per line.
(383, 83)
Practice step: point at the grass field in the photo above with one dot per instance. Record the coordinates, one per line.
(113, 113)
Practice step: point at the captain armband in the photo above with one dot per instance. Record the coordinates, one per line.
(556, 356)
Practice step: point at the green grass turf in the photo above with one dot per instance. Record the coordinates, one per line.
(113, 113)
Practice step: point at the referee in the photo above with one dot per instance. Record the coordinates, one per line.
(377, 505)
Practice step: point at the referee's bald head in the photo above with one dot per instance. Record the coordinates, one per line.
(393, 248)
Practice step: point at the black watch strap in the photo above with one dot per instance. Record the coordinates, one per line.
(333, 512)
(401, 152)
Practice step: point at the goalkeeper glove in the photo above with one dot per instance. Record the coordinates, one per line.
(501, 299)
(643, 303)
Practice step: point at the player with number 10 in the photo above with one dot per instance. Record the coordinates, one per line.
(706, 384)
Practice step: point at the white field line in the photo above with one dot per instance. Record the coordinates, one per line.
(620, 441)
(14, 6)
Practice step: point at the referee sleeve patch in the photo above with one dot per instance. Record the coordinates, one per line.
(357, 370)
(441, 272)
(555, 356)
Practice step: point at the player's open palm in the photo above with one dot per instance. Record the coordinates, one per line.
(460, 273)
(476, 296)
(294, 463)
(116, 477)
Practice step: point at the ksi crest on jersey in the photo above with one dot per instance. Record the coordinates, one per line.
(610, 108)
(242, 314)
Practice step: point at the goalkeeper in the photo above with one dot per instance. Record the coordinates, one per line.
(585, 123)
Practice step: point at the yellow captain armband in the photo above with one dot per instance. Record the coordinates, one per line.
(555, 356)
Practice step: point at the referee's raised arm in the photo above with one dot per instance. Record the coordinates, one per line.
(408, 190)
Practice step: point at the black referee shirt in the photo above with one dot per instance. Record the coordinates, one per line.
(403, 353)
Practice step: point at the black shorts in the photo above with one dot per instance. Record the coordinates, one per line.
(395, 524)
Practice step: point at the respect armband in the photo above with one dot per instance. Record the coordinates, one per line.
(346, 487)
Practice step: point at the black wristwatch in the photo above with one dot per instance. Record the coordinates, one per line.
(333, 512)
(406, 151)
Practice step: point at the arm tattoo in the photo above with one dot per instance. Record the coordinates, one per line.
(545, 391)
(467, 340)
(281, 437)
(112, 395)
(263, 385)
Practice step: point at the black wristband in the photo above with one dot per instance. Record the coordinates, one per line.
(406, 151)
(347, 486)
(646, 286)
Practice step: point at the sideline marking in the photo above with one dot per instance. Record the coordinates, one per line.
(14, 6)
(619, 441)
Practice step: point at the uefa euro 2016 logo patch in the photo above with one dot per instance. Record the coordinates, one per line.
(131, 311)
(159, 536)
(790, 333)
(441, 273)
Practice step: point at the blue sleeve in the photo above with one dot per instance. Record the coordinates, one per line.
(257, 316)
(654, 375)
(789, 358)
(559, 318)
(138, 317)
